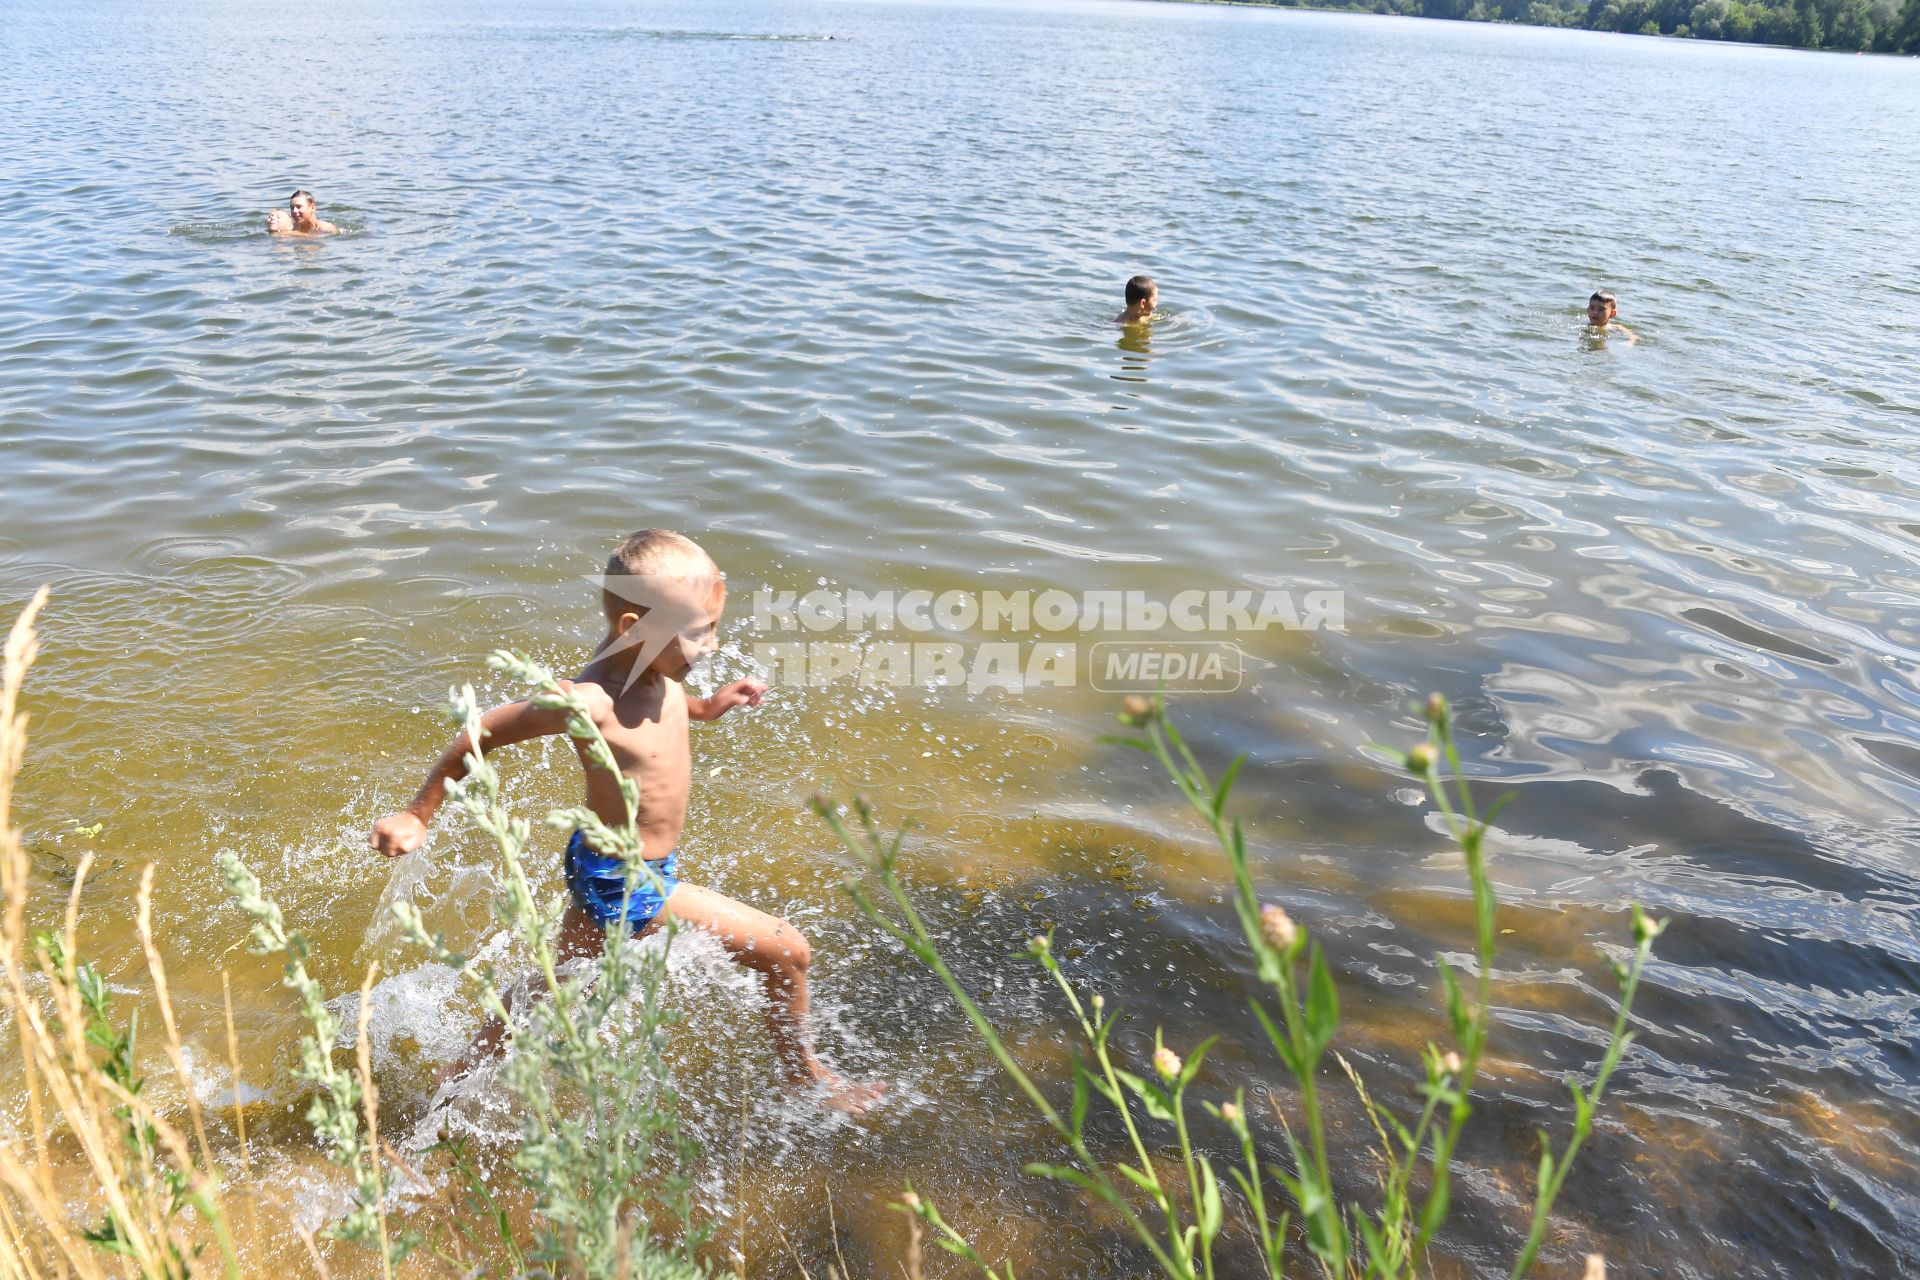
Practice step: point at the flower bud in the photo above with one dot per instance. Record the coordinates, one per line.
(1230, 1113)
(1451, 1062)
(1166, 1062)
(1420, 759)
(911, 1201)
(1436, 708)
(1039, 944)
(1099, 1002)
(1277, 927)
(1645, 927)
(1135, 706)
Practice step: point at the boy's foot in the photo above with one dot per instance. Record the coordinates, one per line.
(451, 1071)
(854, 1097)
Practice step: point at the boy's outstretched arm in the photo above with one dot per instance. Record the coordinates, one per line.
(515, 722)
(741, 693)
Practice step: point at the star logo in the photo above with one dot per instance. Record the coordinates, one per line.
(673, 609)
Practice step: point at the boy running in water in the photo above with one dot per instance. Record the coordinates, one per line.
(662, 597)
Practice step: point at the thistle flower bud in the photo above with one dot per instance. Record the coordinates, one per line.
(1420, 759)
(1277, 927)
(1645, 927)
(1451, 1062)
(1230, 1113)
(1166, 1062)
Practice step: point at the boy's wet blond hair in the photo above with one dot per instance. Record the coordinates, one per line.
(658, 553)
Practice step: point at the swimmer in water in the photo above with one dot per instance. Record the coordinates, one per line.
(301, 219)
(662, 596)
(1601, 310)
(1143, 296)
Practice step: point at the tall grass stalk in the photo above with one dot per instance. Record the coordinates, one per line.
(335, 1111)
(601, 1138)
(1176, 1207)
(601, 1143)
(156, 1208)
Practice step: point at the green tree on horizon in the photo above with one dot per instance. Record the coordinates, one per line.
(1876, 26)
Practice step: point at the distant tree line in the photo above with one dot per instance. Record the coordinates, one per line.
(1882, 26)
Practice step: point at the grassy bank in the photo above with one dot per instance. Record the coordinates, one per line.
(116, 1173)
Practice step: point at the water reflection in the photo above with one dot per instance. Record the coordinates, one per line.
(1136, 348)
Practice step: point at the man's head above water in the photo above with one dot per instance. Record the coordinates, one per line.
(301, 218)
(1143, 297)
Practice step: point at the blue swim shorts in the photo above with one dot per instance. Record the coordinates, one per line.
(598, 884)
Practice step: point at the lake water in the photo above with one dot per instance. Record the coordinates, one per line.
(840, 308)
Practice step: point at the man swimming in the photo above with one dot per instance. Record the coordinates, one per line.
(301, 218)
(1143, 296)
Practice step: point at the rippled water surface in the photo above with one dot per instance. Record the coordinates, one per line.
(830, 287)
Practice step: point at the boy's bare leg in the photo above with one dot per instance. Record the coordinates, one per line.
(779, 953)
(579, 935)
(764, 943)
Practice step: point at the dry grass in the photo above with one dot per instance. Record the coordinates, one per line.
(97, 1183)
(151, 1208)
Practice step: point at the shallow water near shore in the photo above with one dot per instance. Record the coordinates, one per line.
(841, 309)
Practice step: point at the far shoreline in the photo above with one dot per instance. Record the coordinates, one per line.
(1536, 26)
